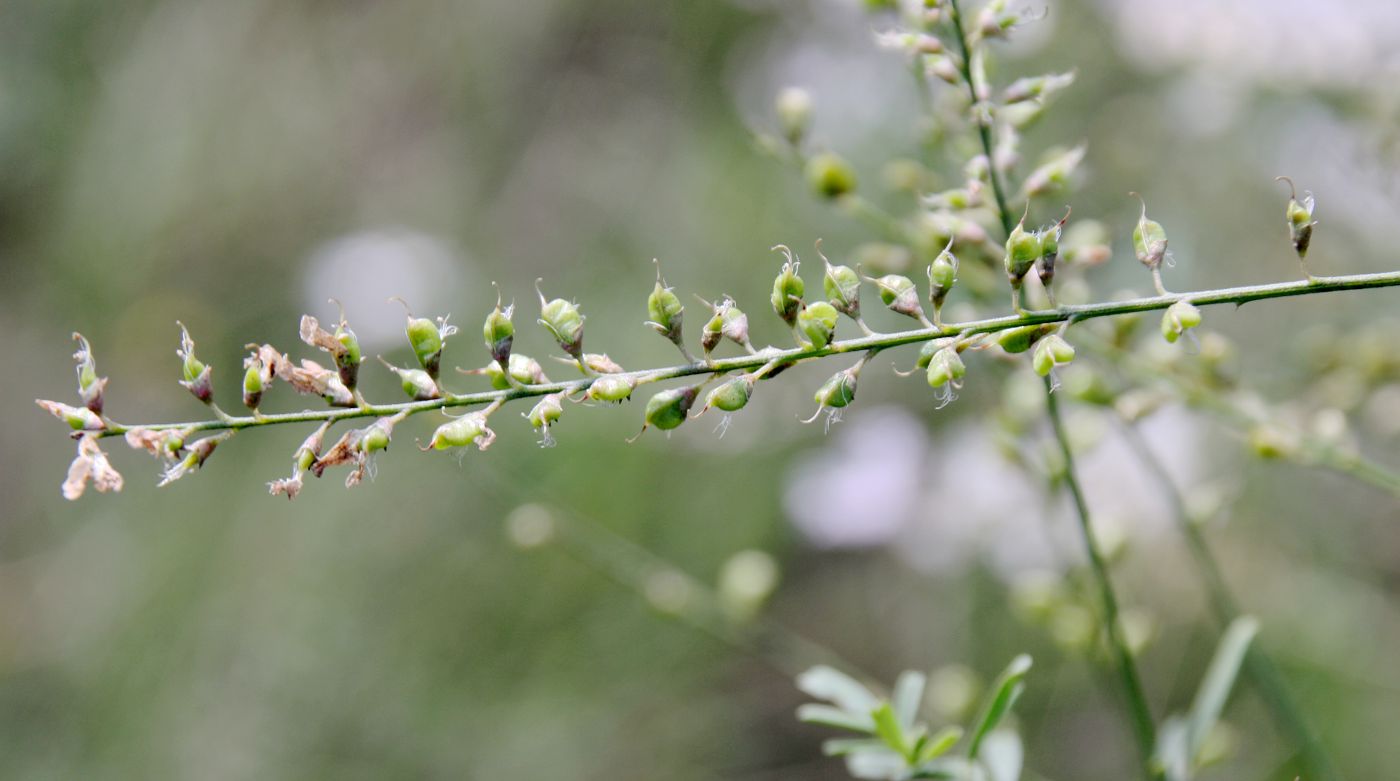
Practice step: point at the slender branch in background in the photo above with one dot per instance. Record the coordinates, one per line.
(982, 118)
(1258, 664)
(1143, 724)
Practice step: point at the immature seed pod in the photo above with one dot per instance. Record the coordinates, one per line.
(563, 321)
(427, 339)
(499, 332)
(666, 313)
(727, 321)
(611, 387)
(794, 109)
(523, 369)
(196, 375)
(1149, 239)
(842, 287)
(416, 382)
(787, 288)
(1023, 249)
(942, 66)
(731, 396)
(818, 322)
(942, 275)
(347, 362)
(1300, 221)
(830, 176)
(90, 386)
(544, 414)
(460, 432)
(1178, 319)
(946, 367)
(1050, 253)
(1050, 352)
(669, 408)
(899, 294)
(1019, 340)
(838, 391)
(77, 418)
(252, 383)
(1036, 87)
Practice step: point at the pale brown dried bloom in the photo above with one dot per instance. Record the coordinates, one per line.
(166, 443)
(91, 464)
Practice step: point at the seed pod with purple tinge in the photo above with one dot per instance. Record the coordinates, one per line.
(196, 375)
(499, 332)
(563, 321)
(727, 321)
(347, 362)
(1300, 221)
(90, 386)
(1178, 319)
(1050, 352)
(817, 321)
(1050, 254)
(669, 408)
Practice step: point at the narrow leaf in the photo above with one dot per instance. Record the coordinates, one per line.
(1002, 755)
(1218, 681)
(940, 743)
(828, 716)
(908, 694)
(1003, 696)
(888, 729)
(828, 683)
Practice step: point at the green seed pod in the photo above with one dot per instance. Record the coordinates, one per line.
(523, 369)
(838, 391)
(1050, 253)
(1300, 221)
(818, 322)
(942, 275)
(563, 321)
(842, 287)
(787, 288)
(463, 431)
(1023, 249)
(426, 339)
(1019, 340)
(348, 360)
(416, 382)
(946, 367)
(90, 386)
(727, 321)
(376, 437)
(1050, 352)
(794, 109)
(830, 176)
(611, 387)
(1149, 239)
(1178, 319)
(665, 310)
(499, 332)
(196, 375)
(253, 385)
(899, 294)
(544, 414)
(669, 408)
(731, 396)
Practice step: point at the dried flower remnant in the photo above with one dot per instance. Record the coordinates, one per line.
(90, 387)
(196, 454)
(1300, 222)
(90, 465)
(302, 460)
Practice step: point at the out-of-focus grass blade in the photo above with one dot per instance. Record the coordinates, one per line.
(1003, 696)
(829, 683)
(908, 693)
(1219, 680)
(829, 716)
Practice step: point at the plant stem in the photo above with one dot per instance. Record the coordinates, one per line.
(1235, 295)
(1143, 725)
(982, 120)
(1258, 664)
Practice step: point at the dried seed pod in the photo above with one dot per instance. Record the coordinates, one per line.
(1178, 319)
(1050, 352)
(77, 418)
(818, 322)
(416, 382)
(1049, 254)
(196, 375)
(564, 322)
(787, 288)
(499, 331)
(842, 287)
(1300, 221)
(669, 408)
(195, 455)
(665, 310)
(91, 464)
(830, 176)
(302, 460)
(90, 386)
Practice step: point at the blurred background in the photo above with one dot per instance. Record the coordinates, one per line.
(233, 165)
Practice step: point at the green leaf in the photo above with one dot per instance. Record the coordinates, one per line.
(840, 747)
(828, 716)
(828, 683)
(1218, 681)
(888, 729)
(1004, 694)
(908, 694)
(940, 743)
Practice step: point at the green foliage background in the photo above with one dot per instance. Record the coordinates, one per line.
(188, 159)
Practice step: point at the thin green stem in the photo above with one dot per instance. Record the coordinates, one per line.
(1143, 724)
(982, 119)
(1236, 295)
(1259, 665)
